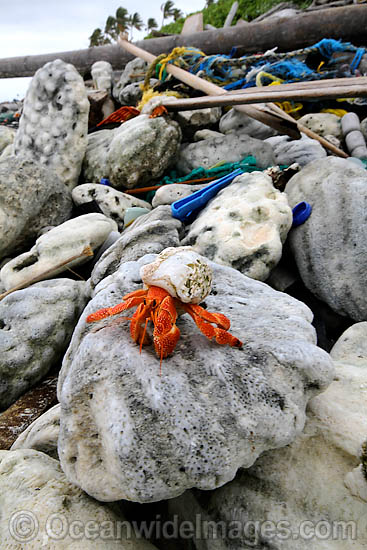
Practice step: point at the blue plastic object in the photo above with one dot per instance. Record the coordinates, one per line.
(184, 208)
(301, 212)
(105, 181)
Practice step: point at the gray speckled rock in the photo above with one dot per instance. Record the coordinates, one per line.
(31, 197)
(323, 124)
(206, 134)
(364, 127)
(40, 508)
(42, 434)
(149, 234)
(191, 121)
(36, 325)
(304, 150)
(134, 153)
(102, 75)
(132, 73)
(113, 203)
(244, 226)
(167, 194)
(54, 124)
(57, 246)
(235, 121)
(310, 487)
(330, 247)
(231, 148)
(7, 136)
(132, 93)
(127, 432)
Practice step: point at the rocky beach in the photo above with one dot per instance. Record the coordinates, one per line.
(222, 405)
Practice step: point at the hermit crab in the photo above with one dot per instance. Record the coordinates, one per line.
(178, 279)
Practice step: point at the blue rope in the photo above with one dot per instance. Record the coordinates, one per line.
(328, 46)
(232, 73)
(357, 59)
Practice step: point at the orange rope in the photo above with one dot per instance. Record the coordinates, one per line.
(141, 190)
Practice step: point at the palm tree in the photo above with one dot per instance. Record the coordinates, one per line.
(122, 18)
(111, 27)
(167, 9)
(134, 22)
(97, 38)
(177, 14)
(151, 24)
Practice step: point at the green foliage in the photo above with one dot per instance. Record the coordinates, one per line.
(215, 13)
(167, 9)
(151, 24)
(97, 38)
(113, 26)
(134, 21)
(177, 14)
(174, 28)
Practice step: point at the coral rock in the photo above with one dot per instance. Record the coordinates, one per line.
(36, 325)
(134, 153)
(54, 124)
(127, 432)
(330, 248)
(244, 226)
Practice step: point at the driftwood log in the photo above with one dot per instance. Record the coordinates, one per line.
(26, 410)
(347, 23)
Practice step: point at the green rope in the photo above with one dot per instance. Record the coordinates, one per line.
(248, 164)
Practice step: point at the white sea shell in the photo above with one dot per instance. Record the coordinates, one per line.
(182, 272)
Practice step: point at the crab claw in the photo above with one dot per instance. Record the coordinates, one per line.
(203, 320)
(160, 110)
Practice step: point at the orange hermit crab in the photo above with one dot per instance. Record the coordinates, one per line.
(178, 278)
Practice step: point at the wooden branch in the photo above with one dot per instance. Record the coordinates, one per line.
(305, 85)
(262, 95)
(347, 23)
(26, 410)
(86, 252)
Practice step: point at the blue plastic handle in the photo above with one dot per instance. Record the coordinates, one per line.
(184, 208)
(301, 212)
(105, 181)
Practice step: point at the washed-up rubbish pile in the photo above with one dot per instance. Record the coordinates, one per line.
(194, 285)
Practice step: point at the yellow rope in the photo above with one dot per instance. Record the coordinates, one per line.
(262, 74)
(162, 60)
(290, 107)
(337, 112)
(149, 94)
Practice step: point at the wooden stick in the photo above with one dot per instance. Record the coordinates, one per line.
(141, 190)
(273, 115)
(276, 121)
(352, 81)
(262, 95)
(86, 252)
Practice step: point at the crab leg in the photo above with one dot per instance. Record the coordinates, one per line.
(203, 319)
(139, 323)
(132, 299)
(166, 333)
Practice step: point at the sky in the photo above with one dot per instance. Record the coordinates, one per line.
(31, 27)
